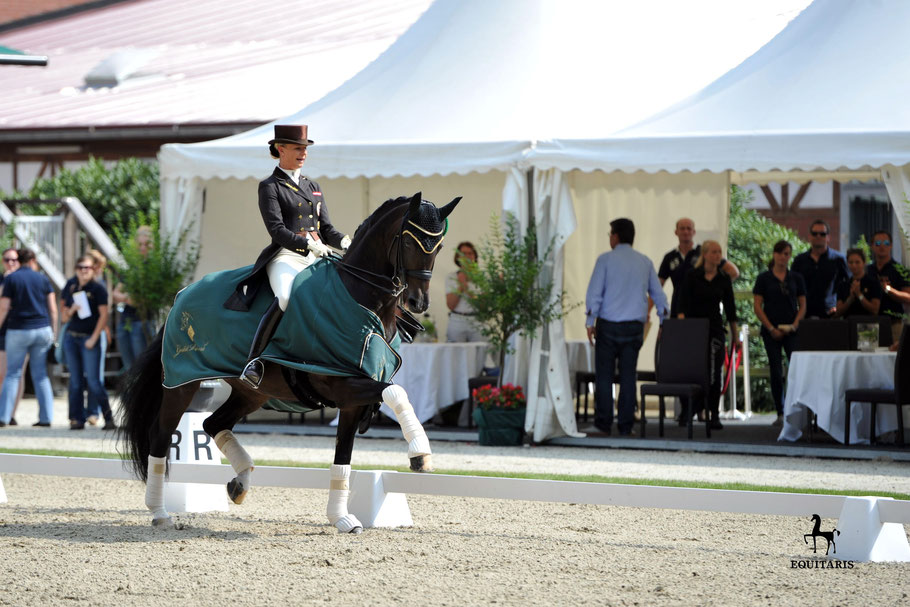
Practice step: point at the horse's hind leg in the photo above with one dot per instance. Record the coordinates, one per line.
(173, 404)
(340, 473)
(219, 426)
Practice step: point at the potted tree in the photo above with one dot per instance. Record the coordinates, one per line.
(508, 296)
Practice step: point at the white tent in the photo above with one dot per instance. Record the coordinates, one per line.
(827, 98)
(460, 105)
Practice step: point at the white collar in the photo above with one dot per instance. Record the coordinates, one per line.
(294, 175)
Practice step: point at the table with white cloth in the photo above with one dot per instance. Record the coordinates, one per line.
(817, 382)
(435, 376)
(580, 355)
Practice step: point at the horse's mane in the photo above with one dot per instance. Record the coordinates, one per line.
(385, 207)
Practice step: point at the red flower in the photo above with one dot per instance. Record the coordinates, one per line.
(507, 397)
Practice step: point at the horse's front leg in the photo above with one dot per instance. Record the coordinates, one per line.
(418, 443)
(340, 473)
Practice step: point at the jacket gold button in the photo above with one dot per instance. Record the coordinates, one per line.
(311, 216)
(299, 204)
(300, 217)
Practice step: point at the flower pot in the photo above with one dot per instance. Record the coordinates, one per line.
(498, 427)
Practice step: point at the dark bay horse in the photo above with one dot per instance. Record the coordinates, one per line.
(389, 264)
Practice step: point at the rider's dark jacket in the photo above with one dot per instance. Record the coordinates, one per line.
(289, 211)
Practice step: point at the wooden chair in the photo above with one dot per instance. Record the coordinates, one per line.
(899, 396)
(683, 369)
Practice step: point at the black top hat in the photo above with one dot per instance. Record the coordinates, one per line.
(289, 133)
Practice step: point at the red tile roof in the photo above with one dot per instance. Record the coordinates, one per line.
(213, 62)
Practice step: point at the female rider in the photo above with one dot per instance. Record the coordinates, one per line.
(295, 216)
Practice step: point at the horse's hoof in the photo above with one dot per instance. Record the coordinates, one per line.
(357, 530)
(163, 523)
(422, 463)
(236, 491)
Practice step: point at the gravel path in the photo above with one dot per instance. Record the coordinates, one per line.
(89, 542)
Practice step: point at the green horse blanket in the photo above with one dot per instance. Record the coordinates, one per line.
(323, 330)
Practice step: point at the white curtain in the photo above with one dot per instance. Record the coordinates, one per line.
(181, 207)
(897, 181)
(541, 365)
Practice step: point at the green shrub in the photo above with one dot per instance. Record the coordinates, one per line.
(752, 238)
(112, 195)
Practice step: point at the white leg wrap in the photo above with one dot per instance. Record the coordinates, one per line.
(396, 398)
(234, 451)
(154, 487)
(339, 492)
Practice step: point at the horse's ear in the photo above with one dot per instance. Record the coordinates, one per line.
(415, 201)
(444, 211)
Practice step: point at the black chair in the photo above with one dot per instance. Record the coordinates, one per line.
(683, 369)
(899, 396)
(582, 394)
(816, 334)
(823, 334)
(473, 384)
(884, 329)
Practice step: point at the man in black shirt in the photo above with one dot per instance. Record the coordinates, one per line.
(823, 269)
(893, 278)
(680, 261)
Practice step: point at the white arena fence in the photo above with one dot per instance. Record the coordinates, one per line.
(871, 528)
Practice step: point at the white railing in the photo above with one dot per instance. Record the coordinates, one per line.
(45, 233)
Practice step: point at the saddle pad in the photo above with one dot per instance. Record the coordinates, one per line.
(323, 331)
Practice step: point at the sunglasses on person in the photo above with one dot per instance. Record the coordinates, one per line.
(10, 259)
(880, 243)
(814, 233)
(85, 267)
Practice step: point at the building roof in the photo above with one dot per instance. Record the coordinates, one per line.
(171, 62)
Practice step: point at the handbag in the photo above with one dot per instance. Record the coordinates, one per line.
(56, 353)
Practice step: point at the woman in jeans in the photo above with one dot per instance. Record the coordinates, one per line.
(779, 300)
(705, 288)
(28, 302)
(85, 309)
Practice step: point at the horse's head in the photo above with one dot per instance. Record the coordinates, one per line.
(423, 228)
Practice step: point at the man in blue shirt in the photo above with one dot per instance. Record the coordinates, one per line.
(823, 269)
(894, 281)
(28, 301)
(617, 309)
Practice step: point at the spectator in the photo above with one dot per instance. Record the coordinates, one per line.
(85, 310)
(893, 279)
(28, 302)
(132, 331)
(462, 327)
(704, 290)
(823, 269)
(617, 308)
(862, 295)
(93, 408)
(680, 261)
(780, 304)
(10, 265)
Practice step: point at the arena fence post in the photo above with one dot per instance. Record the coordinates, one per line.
(2, 492)
(373, 506)
(864, 537)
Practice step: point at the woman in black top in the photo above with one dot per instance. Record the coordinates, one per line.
(779, 300)
(862, 295)
(704, 289)
(85, 309)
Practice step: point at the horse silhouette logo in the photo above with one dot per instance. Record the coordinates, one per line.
(818, 533)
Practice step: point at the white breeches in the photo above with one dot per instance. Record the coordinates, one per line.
(463, 329)
(282, 271)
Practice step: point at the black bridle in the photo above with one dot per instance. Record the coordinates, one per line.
(397, 282)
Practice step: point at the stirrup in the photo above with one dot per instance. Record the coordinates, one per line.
(252, 373)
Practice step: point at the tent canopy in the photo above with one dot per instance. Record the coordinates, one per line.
(475, 85)
(828, 93)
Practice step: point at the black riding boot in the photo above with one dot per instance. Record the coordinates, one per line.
(252, 373)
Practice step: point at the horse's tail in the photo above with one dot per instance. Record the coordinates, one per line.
(140, 401)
